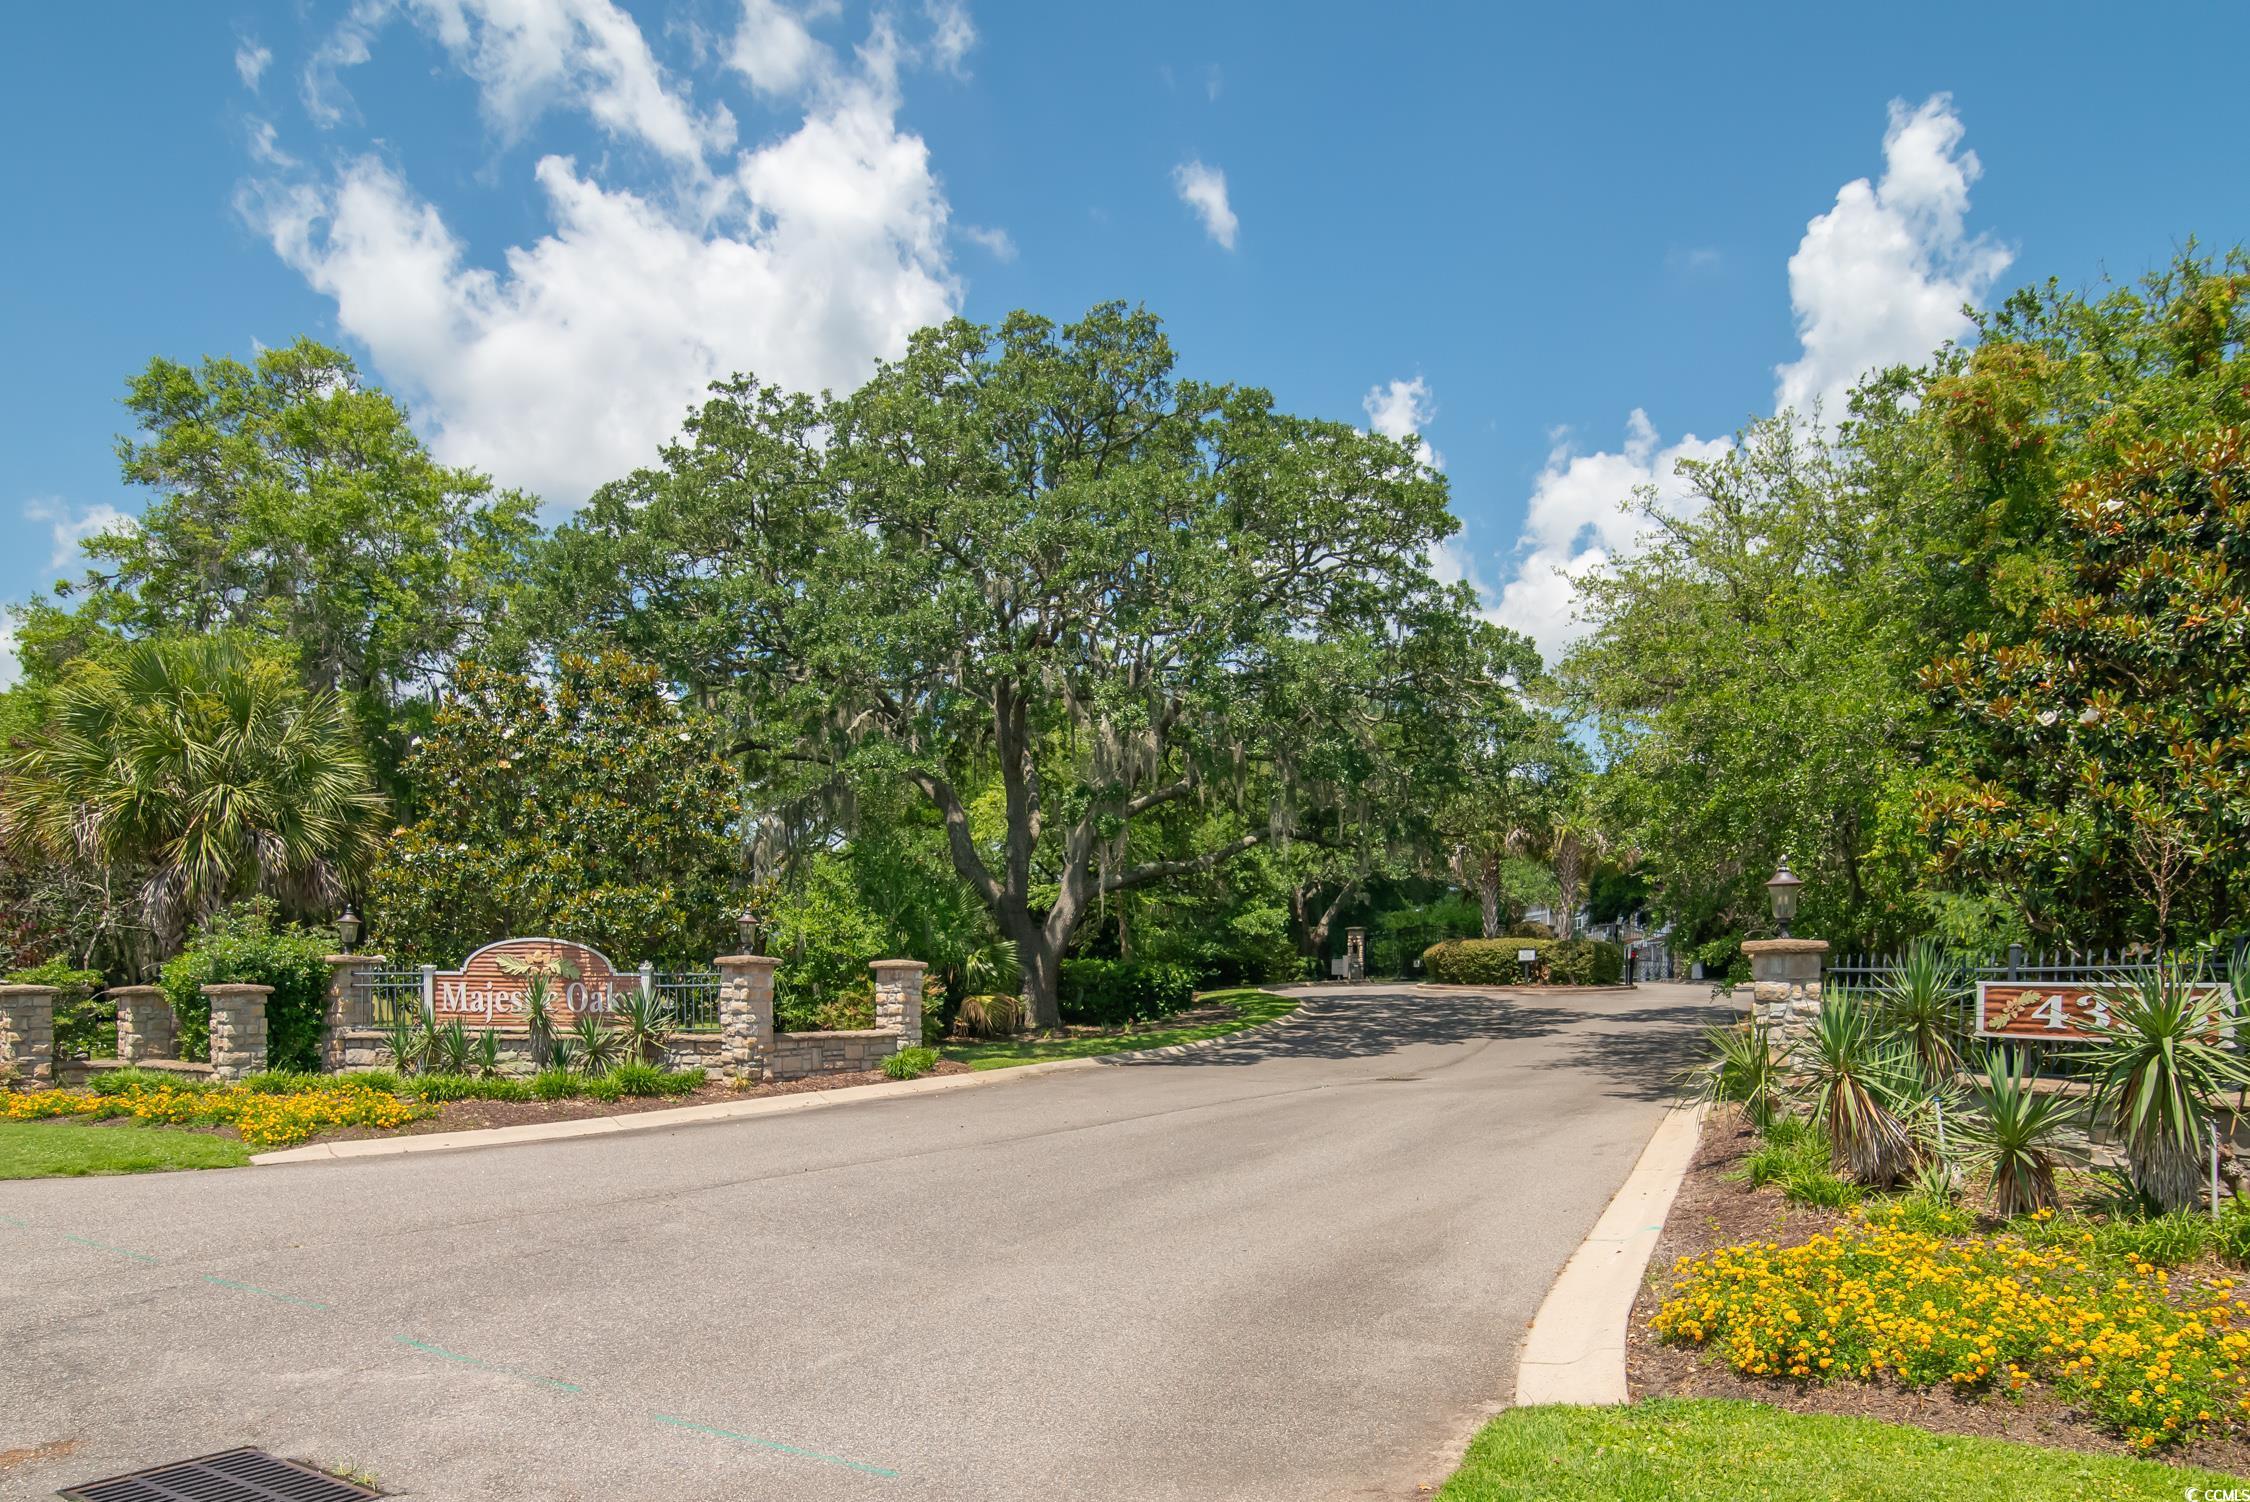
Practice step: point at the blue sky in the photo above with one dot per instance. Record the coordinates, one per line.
(1570, 244)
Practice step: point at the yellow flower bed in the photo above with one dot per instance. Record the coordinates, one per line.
(264, 1120)
(2154, 1360)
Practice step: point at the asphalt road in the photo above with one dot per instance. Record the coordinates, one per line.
(1294, 1267)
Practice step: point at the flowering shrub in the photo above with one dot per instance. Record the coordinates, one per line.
(264, 1120)
(1873, 1300)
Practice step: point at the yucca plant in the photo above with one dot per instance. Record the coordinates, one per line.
(451, 1050)
(1857, 1082)
(1921, 996)
(539, 1020)
(1741, 1069)
(488, 1053)
(2161, 1069)
(403, 1042)
(2016, 1134)
(644, 1026)
(992, 1015)
(595, 1044)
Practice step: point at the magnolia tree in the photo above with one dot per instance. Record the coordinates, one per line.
(1075, 602)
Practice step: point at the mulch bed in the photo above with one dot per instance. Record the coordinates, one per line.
(1715, 1210)
(474, 1115)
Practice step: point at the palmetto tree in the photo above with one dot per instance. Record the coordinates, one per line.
(204, 771)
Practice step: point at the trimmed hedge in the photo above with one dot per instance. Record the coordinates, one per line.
(1111, 993)
(1492, 962)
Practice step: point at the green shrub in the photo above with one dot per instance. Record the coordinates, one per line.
(386, 1080)
(851, 1011)
(119, 1081)
(910, 1063)
(555, 1084)
(1820, 1188)
(635, 1078)
(601, 1087)
(2230, 1233)
(1112, 993)
(444, 1087)
(85, 1022)
(244, 945)
(2165, 1240)
(284, 1081)
(1930, 1215)
(1786, 1147)
(1493, 962)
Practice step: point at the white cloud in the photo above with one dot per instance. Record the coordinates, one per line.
(265, 145)
(531, 55)
(1578, 521)
(250, 60)
(996, 242)
(326, 100)
(952, 35)
(1401, 410)
(1877, 280)
(1880, 279)
(801, 261)
(775, 49)
(1204, 189)
(69, 528)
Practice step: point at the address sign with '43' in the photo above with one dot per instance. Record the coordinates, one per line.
(2065, 1012)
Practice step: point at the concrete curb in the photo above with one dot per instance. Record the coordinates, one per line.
(743, 1110)
(1575, 1351)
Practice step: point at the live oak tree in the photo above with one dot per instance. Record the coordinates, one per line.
(291, 500)
(1034, 557)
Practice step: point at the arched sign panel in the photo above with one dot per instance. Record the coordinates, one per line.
(490, 987)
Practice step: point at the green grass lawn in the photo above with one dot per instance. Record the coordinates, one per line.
(1250, 1009)
(1721, 1450)
(52, 1150)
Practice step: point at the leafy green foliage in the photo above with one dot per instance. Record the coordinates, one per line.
(200, 770)
(1859, 1082)
(1493, 962)
(1031, 562)
(2163, 1067)
(293, 502)
(594, 806)
(1922, 997)
(910, 1063)
(2016, 1132)
(1112, 993)
(1742, 1069)
(246, 945)
(85, 1024)
(635, 1078)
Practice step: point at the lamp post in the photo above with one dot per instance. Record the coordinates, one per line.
(1782, 889)
(746, 926)
(347, 928)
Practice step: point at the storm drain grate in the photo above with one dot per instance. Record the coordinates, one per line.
(234, 1476)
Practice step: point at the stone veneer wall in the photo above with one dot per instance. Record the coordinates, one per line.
(363, 1048)
(27, 1037)
(798, 1055)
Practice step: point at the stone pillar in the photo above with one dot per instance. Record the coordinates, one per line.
(351, 1004)
(1785, 986)
(898, 999)
(746, 1015)
(27, 1037)
(146, 1028)
(238, 1030)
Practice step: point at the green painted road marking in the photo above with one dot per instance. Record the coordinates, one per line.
(12, 1221)
(267, 1293)
(483, 1366)
(115, 1251)
(774, 1445)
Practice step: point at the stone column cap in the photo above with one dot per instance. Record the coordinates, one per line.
(746, 959)
(136, 992)
(1756, 947)
(235, 988)
(355, 959)
(27, 991)
(897, 965)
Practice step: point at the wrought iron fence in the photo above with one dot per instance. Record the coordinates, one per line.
(692, 997)
(396, 994)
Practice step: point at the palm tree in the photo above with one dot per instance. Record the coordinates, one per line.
(201, 771)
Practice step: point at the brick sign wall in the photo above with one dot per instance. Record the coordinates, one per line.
(489, 988)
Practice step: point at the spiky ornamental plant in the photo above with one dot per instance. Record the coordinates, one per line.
(644, 1026)
(1858, 1081)
(596, 1045)
(539, 1018)
(1741, 1069)
(2162, 1068)
(2016, 1133)
(1921, 996)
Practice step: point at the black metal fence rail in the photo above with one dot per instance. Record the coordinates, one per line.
(691, 996)
(396, 994)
